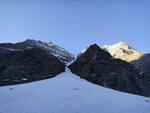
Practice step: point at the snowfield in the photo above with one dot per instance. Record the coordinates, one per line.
(67, 93)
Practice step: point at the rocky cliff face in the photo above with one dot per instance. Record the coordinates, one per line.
(143, 64)
(63, 55)
(30, 61)
(99, 67)
(28, 65)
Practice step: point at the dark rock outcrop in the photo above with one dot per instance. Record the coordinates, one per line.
(62, 54)
(27, 65)
(143, 64)
(99, 67)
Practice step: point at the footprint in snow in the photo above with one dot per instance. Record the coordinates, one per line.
(147, 100)
(76, 89)
(11, 88)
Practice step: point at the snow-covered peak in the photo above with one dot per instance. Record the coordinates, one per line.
(121, 43)
(123, 51)
(120, 46)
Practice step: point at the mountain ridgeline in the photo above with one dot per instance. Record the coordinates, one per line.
(125, 52)
(62, 54)
(117, 66)
(31, 60)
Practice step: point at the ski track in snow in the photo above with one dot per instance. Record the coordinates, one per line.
(67, 93)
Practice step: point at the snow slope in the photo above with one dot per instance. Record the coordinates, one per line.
(67, 93)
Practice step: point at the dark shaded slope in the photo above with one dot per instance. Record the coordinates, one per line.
(143, 64)
(63, 55)
(99, 67)
(27, 65)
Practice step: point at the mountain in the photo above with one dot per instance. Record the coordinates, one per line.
(62, 54)
(98, 66)
(67, 93)
(123, 51)
(31, 60)
(120, 50)
(26, 65)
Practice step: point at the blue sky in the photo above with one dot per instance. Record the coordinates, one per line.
(75, 24)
